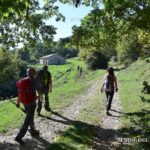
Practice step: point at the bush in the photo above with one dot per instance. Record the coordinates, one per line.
(12, 68)
(96, 60)
(67, 53)
(128, 49)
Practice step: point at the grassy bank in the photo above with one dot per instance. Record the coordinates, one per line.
(135, 104)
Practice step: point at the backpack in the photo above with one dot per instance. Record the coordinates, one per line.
(109, 83)
(25, 91)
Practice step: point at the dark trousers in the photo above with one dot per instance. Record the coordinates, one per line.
(45, 92)
(29, 119)
(109, 96)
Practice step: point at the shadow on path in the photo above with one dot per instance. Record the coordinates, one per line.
(30, 144)
(82, 133)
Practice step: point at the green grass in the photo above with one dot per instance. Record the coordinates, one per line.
(10, 116)
(136, 121)
(64, 91)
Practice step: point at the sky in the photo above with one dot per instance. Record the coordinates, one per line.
(73, 17)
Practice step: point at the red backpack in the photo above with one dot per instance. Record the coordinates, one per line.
(25, 93)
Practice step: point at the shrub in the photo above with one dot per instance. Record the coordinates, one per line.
(12, 68)
(96, 60)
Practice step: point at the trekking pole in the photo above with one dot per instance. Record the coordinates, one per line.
(23, 110)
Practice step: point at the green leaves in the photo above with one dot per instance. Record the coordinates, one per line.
(24, 21)
(115, 27)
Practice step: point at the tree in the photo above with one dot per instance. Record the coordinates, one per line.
(12, 68)
(24, 22)
(95, 34)
(135, 13)
(65, 48)
(128, 49)
(107, 29)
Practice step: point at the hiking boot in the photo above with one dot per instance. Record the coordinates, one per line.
(48, 109)
(34, 132)
(108, 113)
(39, 114)
(18, 140)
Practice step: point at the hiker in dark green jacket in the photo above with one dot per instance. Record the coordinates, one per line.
(44, 82)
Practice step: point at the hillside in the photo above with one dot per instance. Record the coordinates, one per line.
(135, 105)
(78, 118)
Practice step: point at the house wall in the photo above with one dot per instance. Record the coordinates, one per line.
(44, 61)
(41, 61)
(56, 60)
(53, 60)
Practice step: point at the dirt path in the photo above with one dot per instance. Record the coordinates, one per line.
(108, 135)
(51, 126)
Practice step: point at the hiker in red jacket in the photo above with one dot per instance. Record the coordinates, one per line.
(27, 96)
(109, 86)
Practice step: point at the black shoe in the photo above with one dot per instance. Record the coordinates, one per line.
(34, 132)
(108, 113)
(19, 141)
(48, 109)
(39, 114)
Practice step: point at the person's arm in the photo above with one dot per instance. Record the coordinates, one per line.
(103, 83)
(102, 88)
(116, 84)
(18, 103)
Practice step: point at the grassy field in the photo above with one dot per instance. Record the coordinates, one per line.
(135, 104)
(64, 91)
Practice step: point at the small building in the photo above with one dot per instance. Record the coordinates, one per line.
(53, 59)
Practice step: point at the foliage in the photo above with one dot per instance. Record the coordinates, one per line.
(134, 14)
(128, 48)
(93, 35)
(24, 21)
(32, 54)
(68, 53)
(144, 42)
(7, 64)
(65, 48)
(96, 61)
(121, 25)
(11, 69)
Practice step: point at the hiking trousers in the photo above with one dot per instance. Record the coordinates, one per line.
(45, 92)
(29, 119)
(109, 96)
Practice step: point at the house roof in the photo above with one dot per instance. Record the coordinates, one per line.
(48, 56)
